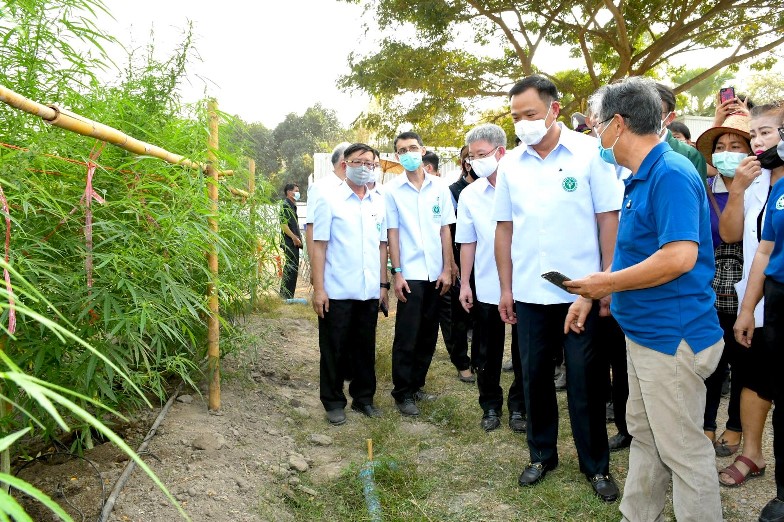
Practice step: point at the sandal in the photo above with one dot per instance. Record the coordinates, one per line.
(736, 475)
(723, 449)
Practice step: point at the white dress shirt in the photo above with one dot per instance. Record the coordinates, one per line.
(753, 203)
(475, 224)
(552, 204)
(316, 189)
(353, 229)
(419, 215)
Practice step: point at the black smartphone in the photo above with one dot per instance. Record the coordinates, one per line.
(557, 278)
(384, 309)
(726, 93)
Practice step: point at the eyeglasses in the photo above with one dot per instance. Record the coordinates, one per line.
(596, 125)
(412, 148)
(471, 158)
(360, 163)
(781, 132)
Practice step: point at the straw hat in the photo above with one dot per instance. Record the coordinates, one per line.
(734, 124)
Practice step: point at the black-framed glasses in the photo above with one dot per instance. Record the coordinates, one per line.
(412, 148)
(595, 127)
(360, 163)
(781, 132)
(471, 158)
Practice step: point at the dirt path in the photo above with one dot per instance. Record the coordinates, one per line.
(270, 449)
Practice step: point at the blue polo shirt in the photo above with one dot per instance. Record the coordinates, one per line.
(665, 201)
(773, 230)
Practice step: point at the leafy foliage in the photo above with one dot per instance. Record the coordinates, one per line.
(425, 71)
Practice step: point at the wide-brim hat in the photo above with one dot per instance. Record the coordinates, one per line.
(734, 124)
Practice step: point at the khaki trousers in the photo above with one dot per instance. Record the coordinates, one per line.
(664, 413)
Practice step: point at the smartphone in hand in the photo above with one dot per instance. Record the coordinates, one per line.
(557, 278)
(726, 93)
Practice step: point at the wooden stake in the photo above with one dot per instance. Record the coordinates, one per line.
(213, 323)
(370, 450)
(252, 212)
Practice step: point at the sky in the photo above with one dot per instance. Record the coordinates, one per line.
(261, 59)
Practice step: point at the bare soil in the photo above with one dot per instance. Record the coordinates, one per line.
(244, 462)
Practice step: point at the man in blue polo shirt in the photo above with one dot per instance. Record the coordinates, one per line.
(660, 283)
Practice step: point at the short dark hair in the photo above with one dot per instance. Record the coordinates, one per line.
(667, 96)
(289, 186)
(679, 126)
(408, 135)
(376, 154)
(547, 90)
(356, 147)
(431, 158)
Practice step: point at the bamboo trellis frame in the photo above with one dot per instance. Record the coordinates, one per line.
(87, 127)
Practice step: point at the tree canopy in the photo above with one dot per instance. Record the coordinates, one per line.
(443, 74)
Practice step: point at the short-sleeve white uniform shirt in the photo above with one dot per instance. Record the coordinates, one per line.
(353, 229)
(552, 203)
(419, 215)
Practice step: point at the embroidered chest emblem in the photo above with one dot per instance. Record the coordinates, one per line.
(780, 203)
(569, 184)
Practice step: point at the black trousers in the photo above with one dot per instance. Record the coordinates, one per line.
(416, 333)
(347, 333)
(455, 323)
(489, 333)
(290, 269)
(730, 359)
(540, 330)
(774, 338)
(610, 339)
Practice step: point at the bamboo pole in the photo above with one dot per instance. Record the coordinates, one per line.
(213, 324)
(252, 213)
(79, 124)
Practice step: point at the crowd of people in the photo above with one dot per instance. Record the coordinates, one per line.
(620, 249)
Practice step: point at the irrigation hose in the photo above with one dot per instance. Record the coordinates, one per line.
(126, 474)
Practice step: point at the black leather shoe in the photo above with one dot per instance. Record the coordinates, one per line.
(773, 511)
(491, 420)
(336, 417)
(408, 407)
(534, 473)
(422, 395)
(604, 487)
(619, 441)
(366, 409)
(517, 422)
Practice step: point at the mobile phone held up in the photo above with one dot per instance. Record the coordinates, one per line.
(557, 278)
(726, 93)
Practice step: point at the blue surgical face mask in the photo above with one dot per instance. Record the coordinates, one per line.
(296, 196)
(726, 162)
(411, 160)
(607, 155)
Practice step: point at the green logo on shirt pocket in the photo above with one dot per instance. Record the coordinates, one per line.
(569, 184)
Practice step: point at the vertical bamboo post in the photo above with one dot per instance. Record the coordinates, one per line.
(213, 324)
(254, 240)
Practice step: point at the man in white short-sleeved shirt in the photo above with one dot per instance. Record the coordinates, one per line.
(322, 186)
(476, 235)
(557, 207)
(349, 284)
(419, 212)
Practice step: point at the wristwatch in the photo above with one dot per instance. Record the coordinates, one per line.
(386, 285)
(396, 270)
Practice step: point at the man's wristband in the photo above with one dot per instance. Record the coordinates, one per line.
(396, 270)
(386, 285)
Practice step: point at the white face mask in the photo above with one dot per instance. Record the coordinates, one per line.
(296, 196)
(532, 132)
(484, 167)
